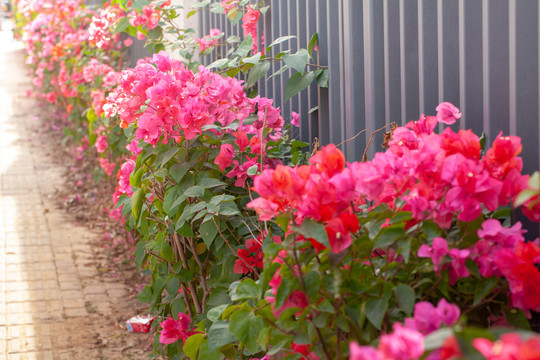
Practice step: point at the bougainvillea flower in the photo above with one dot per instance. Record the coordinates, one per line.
(447, 113)
(518, 266)
(225, 157)
(437, 252)
(251, 257)
(173, 330)
(402, 343)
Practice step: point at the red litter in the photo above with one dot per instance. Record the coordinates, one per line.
(140, 323)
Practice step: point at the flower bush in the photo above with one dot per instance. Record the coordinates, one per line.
(256, 248)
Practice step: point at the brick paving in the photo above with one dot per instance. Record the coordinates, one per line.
(47, 276)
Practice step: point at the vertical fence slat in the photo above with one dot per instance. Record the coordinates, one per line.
(429, 57)
(324, 93)
(499, 78)
(313, 91)
(392, 60)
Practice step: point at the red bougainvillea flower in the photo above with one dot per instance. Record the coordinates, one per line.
(449, 350)
(304, 350)
(518, 266)
(502, 157)
(447, 113)
(329, 160)
(173, 330)
(251, 257)
(224, 159)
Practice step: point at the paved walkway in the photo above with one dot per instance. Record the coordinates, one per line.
(48, 284)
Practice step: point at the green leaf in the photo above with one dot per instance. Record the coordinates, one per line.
(252, 59)
(155, 33)
(376, 310)
(208, 354)
(298, 82)
(178, 171)
(145, 295)
(297, 61)
(221, 198)
(186, 231)
(135, 178)
(322, 79)
(208, 232)
(192, 345)
(279, 40)
(184, 274)
(164, 157)
(194, 191)
(313, 283)
(315, 108)
(524, 196)
(219, 335)
(312, 43)
(191, 13)
(167, 252)
(214, 313)
(534, 181)
(246, 290)
(137, 203)
(252, 170)
(279, 72)
(122, 25)
(246, 327)
(517, 318)
(435, 340)
(284, 290)
(405, 297)
(245, 46)
(208, 183)
(314, 230)
(257, 72)
(218, 63)
(217, 8)
(388, 235)
(483, 288)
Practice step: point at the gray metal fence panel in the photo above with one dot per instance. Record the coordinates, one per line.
(391, 60)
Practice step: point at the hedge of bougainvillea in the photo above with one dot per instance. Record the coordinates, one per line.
(257, 248)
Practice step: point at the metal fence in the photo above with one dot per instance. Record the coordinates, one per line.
(391, 60)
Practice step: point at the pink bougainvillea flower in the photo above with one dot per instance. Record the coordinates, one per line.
(428, 318)
(507, 348)
(249, 24)
(173, 330)
(295, 119)
(402, 343)
(447, 113)
(209, 41)
(101, 143)
(437, 252)
(357, 352)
